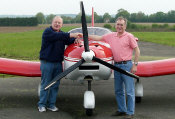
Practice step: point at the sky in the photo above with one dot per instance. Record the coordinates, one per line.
(32, 7)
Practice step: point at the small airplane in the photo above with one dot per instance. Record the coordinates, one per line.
(90, 61)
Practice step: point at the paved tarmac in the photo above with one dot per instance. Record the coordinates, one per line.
(18, 96)
(18, 99)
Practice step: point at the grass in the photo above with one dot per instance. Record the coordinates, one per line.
(22, 45)
(165, 38)
(151, 58)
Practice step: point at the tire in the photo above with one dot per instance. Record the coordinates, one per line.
(39, 88)
(89, 112)
(138, 99)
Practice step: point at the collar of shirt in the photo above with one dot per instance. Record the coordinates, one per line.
(120, 35)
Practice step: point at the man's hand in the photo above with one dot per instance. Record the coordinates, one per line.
(76, 35)
(78, 41)
(134, 69)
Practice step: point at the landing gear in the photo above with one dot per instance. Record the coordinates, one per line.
(89, 98)
(39, 88)
(89, 112)
(138, 99)
(138, 91)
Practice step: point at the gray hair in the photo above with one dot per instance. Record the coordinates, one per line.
(57, 17)
(122, 18)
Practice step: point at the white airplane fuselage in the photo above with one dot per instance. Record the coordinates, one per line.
(95, 70)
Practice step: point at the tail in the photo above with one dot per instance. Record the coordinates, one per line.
(92, 17)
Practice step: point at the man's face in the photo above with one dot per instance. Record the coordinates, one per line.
(57, 23)
(120, 26)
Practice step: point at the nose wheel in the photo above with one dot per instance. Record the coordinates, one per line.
(89, 112)
(89, 99)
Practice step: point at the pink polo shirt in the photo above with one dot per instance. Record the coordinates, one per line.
(122, 47)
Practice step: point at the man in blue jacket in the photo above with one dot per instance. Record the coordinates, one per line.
(51, 57)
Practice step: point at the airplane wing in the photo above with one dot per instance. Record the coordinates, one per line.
(32, 69)
(156, 68)
(20, 67)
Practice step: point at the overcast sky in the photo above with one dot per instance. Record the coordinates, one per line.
(32, 7)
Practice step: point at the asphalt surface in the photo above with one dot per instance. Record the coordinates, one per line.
(19, 96)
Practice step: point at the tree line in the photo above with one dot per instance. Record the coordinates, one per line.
(40, 18)
(162, 17)
(32, 21)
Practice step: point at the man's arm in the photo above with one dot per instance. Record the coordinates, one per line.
(136, 59)
(137, 54)
(74, 38)
(95, 37)
(76, 35)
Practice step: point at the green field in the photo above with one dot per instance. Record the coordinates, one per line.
(22, 45)
(26, 45)
(165, 38)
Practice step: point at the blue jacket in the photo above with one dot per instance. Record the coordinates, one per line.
(53, 45)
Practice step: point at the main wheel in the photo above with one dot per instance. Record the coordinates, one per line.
(39, 88)
(89, 112)
(138, 99)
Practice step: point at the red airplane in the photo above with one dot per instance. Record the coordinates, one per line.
(92, 60)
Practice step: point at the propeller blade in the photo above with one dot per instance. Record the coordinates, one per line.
(63, 74)
(84, 28)
(115, 68)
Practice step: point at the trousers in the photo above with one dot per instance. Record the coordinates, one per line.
(49, 70)
(124, 89)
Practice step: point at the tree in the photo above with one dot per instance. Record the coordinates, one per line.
(141, 17)
(171, 16)
(78, 18)
(88, 19)
(97, 18)
(157, 17)
(40, 17)
(106, 18)
(67, 20)
(123, 13)
(49, 18)
(133, 17)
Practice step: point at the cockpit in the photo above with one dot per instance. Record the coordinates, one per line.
(92, 31)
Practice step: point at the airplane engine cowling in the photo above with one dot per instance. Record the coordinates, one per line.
(73, 54)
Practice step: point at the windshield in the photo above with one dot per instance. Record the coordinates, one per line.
(92, 31)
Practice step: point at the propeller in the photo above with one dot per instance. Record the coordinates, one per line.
(87, 55)
(115, 68)
(63, 74)
(84, 28)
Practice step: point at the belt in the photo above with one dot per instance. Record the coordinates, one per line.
(122, 62)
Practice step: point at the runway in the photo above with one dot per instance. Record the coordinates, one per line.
(18, 99)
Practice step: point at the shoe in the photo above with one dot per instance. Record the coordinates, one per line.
(117, 113)
(41, 109)
(53, 109)
(129, 116)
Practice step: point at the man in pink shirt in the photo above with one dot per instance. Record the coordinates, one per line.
(122, 46)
